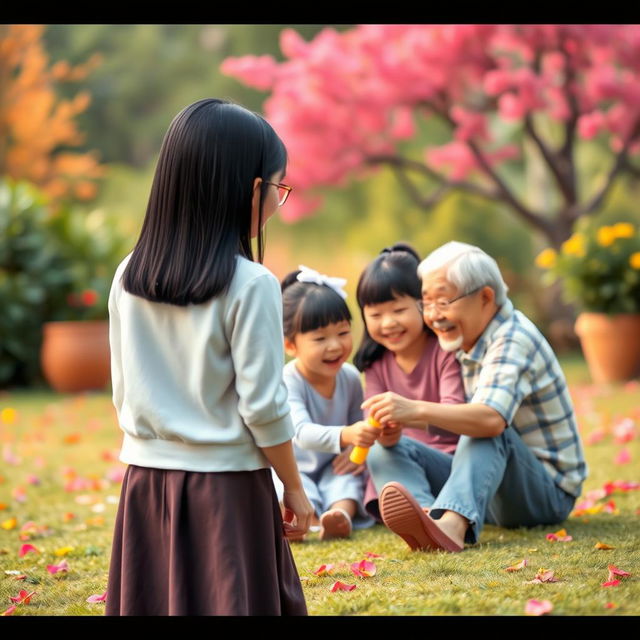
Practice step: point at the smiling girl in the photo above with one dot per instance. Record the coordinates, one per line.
(325, 394)
(401, 355)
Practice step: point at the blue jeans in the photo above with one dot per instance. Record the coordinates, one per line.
(495, 480)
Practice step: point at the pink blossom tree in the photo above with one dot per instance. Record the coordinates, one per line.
(345, 102)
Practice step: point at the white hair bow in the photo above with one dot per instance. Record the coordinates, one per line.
(310, 275)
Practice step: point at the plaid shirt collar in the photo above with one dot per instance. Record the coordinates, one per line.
(504, 313)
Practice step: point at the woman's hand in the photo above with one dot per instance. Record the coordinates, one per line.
(391, 407)
(342, 465)
(298, 512)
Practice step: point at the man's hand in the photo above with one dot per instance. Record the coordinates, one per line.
(391, 407)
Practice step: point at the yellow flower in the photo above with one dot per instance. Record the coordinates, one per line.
(546, 259)
(574, 246)
(606, 236)
(634, 260)
(623, 230)
(8, 415)
(63, 551)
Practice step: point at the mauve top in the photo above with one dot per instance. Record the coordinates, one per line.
(436, 378)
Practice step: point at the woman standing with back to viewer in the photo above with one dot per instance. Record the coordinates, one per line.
(196, 355)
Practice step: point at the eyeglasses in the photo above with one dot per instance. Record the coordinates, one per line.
(442, 304)
(283, 191)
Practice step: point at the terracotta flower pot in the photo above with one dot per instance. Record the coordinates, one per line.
(611, 345)
(75, 356)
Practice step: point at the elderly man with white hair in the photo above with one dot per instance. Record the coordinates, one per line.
(519, 460)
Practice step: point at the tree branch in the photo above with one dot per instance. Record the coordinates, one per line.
(566, 151)
(503, 192)
(631, 168)
(620, 162)
(551, 159)
(399, 163)
(424, 202)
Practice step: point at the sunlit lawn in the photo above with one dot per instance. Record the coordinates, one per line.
(60, 475)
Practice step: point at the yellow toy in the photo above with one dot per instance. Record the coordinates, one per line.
(359, 454)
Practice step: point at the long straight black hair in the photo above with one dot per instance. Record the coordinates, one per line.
(392, 274)
(198, 217)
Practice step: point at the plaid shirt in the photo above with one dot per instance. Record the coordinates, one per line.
(513, 370)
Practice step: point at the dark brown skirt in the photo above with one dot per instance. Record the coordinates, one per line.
(190, 543)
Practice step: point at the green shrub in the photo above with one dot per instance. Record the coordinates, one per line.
(47, 262)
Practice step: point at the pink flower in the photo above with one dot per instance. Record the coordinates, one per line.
(590, 124)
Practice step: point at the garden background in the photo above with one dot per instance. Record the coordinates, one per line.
(83, 110)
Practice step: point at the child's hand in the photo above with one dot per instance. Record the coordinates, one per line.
(391, 433)
(298, 512)
(360, 434)
(342, 465)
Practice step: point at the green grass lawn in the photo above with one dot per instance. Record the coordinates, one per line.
(59, 472)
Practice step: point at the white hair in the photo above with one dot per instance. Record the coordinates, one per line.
(467, 268)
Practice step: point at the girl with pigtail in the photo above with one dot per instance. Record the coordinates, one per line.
(325, 394)
(400, 354)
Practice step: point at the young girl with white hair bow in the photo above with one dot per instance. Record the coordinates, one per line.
(325, 394)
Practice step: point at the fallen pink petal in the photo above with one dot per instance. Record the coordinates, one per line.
(24, 597)
(98, 598)
(370, 554)
(538, 607)
(324, 570)
(559, 536)
(56, 568)
(27, 548)
(517, 567)
(341, 586)
(623, 457)
(363, 569)
(611, 583)
(543, 575)
(614, 571)
(9, 611)
(624, 431)
(595, 436)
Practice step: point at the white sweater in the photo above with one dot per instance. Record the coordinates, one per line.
(200, 387)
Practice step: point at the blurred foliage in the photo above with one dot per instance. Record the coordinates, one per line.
(37, 128)
(599, 265)
(47, 261)
(149, 72)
